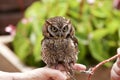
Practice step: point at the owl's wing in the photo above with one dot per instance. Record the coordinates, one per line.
(75, 41)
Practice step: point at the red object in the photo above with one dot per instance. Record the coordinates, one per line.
(11, 29)
(116, 4)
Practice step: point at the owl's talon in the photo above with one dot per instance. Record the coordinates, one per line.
(89, 71)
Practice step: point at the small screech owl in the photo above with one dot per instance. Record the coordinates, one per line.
(59, 45)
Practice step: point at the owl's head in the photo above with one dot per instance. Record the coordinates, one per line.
(58, 27)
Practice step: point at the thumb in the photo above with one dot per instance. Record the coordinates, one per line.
(115, 71)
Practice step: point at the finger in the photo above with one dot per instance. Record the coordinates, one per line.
(116, 68)
(114, 76)
(115, 72)
(47, 74)
(59, 67)
(79, 67)
(55, 74)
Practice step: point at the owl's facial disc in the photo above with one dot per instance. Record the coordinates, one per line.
(59, 32)
(55, 31)
(59, 29)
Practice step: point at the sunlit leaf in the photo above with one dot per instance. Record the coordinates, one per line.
(98, 34)
(112, 26)
(97, 50)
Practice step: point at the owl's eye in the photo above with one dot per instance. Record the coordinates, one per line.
(65, 28)
(54, 29)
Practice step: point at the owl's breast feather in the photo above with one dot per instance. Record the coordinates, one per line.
(58, 45)
(58, 50)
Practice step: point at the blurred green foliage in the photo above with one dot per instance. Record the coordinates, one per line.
(97, 28)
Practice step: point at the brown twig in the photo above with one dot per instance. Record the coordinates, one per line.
(92, 70)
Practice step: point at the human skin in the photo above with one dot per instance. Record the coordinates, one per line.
(52, 74)
(40, 74)
(115, 71)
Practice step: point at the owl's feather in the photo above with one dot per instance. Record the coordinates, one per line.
(59, 49)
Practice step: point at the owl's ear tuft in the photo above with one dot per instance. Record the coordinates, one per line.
(68, 21)
(48, 22)
(72, 31)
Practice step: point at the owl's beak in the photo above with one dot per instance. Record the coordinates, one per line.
(60, 34)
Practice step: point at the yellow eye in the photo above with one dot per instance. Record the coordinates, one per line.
(54, 29)
(65, 28)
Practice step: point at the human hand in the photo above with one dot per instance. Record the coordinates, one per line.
(44, 73)
(52, 74)
(115, 71)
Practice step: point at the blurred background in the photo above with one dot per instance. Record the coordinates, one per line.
(97, 25)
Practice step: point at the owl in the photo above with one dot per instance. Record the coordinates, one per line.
(59, 45)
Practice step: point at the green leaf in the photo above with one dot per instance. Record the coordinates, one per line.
(82, 52)
(119, 37)
(98, 51)
(98, 13)
(58, 9)
(98, 23)
(98, 34)
(37, 48)
(112, 26)
(34, 10)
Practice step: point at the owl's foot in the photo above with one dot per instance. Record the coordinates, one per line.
(89, 71)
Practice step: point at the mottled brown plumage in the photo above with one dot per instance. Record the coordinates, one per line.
(59, 45)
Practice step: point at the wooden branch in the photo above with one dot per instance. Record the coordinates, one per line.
(92, 70)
